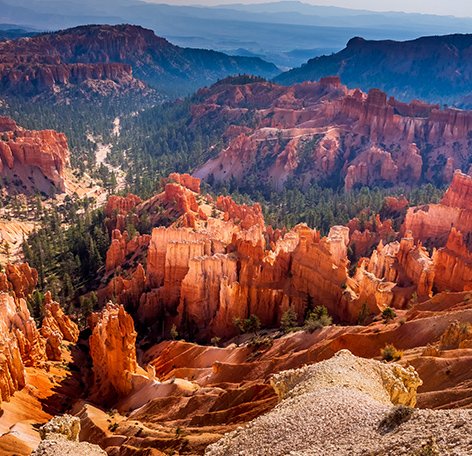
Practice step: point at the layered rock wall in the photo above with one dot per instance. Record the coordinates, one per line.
(46, 150)
(453, 264)
(435, 221)
(20, 342)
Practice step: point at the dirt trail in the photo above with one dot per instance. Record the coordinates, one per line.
(102, 152)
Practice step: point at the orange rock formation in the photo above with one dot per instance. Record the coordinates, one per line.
(120, 205)
(113, 351)
(20, 342)
(435, 221)
(362, 241)
(201, 280)
(56, 321)
(453, 264)
(121, 247)
(406, 264)
(46, 150)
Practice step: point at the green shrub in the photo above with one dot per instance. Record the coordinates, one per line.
(390, 353)
(397, 416)
(113, 427)
(317, 319)
(388, 314)
(215, 341)
(252, 324)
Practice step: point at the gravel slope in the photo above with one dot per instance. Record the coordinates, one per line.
(351, 417)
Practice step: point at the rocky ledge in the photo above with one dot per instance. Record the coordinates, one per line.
(60, 437)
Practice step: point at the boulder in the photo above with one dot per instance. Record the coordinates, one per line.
(60, 437)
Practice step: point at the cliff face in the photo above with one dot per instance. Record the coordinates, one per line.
(409, 265)
(12, 374)
(453, 264)
(406, 264)
(459, 194)
(434, 222)
(324, 131)
(21, 344)
(121, 247)
(363, 238)
(52, 64)
(56, 321)
(118, 205)
(28, 149)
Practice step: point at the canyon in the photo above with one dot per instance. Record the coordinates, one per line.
(192, 323)
(209, 262)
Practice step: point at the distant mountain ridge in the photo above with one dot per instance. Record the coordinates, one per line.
(437, 69)
(284, 33)
(123, 54)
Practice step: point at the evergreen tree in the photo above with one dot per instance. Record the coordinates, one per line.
(289, 319)
(252, 324)
(86, 309)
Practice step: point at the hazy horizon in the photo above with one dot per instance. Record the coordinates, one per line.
(460, 8)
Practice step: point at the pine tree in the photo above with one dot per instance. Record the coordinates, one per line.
(252, 324)
(86, 309)
(289, 319)
(94, 300)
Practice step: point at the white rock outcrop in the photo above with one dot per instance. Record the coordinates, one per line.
(60, 437)
(345, 406)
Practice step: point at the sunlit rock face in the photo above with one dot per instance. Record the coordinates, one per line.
(113, 351)
(46, 150)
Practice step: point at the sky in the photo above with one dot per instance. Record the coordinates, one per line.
(450, 7)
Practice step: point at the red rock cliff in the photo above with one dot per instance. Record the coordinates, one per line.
(46, 150)
(435, 221)
(20, 342)
(459, 193)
